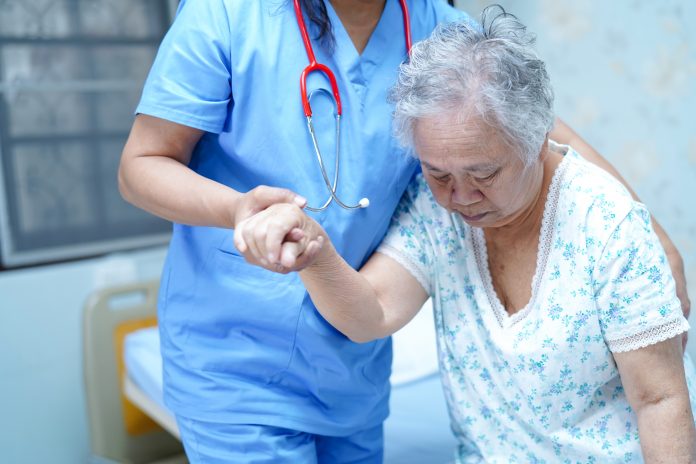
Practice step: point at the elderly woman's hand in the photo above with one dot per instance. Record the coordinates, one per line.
(281, 238)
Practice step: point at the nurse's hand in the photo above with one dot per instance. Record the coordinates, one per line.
(260, 198)
(281, 238)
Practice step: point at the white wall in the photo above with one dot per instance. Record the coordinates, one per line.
(42, 402)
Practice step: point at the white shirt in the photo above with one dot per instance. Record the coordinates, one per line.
(542, 385)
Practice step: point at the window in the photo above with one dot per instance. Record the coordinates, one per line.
(71, 73)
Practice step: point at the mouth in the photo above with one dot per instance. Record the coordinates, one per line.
(476, 218)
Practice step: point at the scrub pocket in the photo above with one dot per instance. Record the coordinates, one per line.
(334, 364)
(244, 318)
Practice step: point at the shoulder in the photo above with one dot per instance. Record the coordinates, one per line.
(209, 20)
(427, 14)
(440, 10)
(594, 196)
(418, 200)
(233, 14)
(211, 8)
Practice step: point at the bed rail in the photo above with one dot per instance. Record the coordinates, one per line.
(119, 431)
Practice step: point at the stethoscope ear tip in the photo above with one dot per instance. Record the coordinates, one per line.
(364, 203)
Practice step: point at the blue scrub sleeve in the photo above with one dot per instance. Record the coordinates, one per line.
(189, 82)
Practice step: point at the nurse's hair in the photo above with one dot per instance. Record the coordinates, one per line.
(317, 14)
(489, 70)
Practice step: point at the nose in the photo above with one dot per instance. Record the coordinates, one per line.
(465, 195)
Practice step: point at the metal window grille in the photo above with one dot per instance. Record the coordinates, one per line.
(71, 72)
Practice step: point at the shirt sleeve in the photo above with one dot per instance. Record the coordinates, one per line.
(189, 82)
(634, 288)
(407, 240)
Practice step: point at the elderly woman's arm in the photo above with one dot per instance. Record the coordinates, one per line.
(367, 305)
(655, 385)
(565, 135)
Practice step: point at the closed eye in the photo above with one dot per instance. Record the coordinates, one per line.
(441, 179)
(488, 178)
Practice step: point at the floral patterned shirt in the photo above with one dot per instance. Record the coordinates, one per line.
(541, 386)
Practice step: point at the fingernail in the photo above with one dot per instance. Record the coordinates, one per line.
(300, 201)
(264, 262)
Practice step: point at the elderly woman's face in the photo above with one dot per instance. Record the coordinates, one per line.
(472, 171)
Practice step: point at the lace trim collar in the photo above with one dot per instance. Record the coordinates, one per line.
(478, 243)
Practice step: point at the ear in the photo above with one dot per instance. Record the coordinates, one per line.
(544, 149)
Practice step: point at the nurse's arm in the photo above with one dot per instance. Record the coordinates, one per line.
(567, 136)
(154, 175)
(367, 305)
(655, 385)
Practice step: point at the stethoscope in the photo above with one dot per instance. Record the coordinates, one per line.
(314, 66)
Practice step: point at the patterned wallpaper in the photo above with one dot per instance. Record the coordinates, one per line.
(624, 74)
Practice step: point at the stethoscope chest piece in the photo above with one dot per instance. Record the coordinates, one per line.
(330, 185)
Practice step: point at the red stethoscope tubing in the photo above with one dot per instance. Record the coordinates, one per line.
(314, 66)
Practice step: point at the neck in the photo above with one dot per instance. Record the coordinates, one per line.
(359, 18)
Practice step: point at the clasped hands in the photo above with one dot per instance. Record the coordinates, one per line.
(280, 238)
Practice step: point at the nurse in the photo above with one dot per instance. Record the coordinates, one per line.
(252, 372)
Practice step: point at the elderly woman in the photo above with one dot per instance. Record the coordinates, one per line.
(556, 313)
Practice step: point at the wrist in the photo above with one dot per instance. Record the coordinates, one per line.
(231, 210)
(326, 258)
(327, 254)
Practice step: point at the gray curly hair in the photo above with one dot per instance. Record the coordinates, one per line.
(491, 69)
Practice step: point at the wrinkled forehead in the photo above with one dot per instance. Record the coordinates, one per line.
(452, 137)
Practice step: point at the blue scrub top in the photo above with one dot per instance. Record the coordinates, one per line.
(242, 344)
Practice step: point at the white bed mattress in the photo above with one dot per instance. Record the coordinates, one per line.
(416, 432)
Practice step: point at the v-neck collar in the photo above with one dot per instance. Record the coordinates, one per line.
(478, 243)
(379, 43)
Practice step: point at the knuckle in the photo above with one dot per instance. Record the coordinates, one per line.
(258, 234)
(275, 209)
(248, 235)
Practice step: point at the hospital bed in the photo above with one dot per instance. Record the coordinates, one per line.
(130, 423)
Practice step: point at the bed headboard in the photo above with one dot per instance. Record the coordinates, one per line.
(118, 430)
